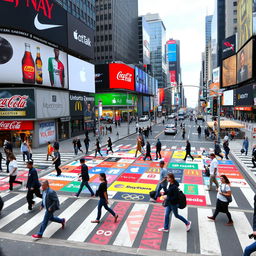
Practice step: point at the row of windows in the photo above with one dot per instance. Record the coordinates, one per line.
(102, 38)
(105, 27)
(103, 48)
(103, 7)
(104, 58)
(105, 17)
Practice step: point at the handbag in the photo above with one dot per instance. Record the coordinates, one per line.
(165, 203)
(229, 198)
(242, 150)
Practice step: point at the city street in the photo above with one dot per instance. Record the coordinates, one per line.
(130, 180)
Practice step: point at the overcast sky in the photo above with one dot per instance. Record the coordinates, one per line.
(184, 20)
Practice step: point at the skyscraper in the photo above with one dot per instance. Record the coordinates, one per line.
(231, 18)
(207, 58)
(116, 31)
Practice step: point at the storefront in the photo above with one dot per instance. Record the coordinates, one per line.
(115, 106)
(17, 106)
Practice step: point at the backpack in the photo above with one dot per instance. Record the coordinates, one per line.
(182, 200)
(152, 194)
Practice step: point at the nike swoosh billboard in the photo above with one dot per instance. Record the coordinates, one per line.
(42, 18)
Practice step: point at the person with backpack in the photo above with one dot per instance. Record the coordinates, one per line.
(224, 197)
(57, 161)
(246, 145)
(172, 204)
(226, 149)
(158, 149)
(217, 149)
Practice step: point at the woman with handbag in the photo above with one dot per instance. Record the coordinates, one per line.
(171, 200)
(224, 197)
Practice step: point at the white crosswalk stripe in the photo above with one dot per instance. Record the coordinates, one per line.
(176, 241)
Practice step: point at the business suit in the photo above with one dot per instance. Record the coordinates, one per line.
(33, 186)
(242, 74)
(51, 204)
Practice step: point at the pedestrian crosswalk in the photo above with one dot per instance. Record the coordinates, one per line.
(137, 226)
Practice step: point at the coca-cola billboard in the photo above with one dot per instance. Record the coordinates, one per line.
(16, 125)
(121, 76)
(17, 104)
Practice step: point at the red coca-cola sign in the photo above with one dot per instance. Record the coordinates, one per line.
(16, 125)
(15, 101)
(121, 76)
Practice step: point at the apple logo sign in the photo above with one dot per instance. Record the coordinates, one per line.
(83, 75)
(114, 101)
(75, 34)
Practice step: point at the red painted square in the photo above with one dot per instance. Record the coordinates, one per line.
(148, 181)
(129, 177)
(196, 200)
(106, 164)
(193, 180)
(227, 167)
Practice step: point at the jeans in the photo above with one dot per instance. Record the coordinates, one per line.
(158, 154)
(12, 180)
(85, 183)
(30, 195)
(168, 210)
(159, 187)
(188, 154)
(86, 148)
(48, 216)
(76, 150)
(250, 249)
(102, 202)
(226, 153)
(25, 153)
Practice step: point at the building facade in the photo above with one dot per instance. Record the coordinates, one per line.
(116, 31)
(231, 18)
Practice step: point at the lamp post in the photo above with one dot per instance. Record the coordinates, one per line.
(99, 116)
(128, 114)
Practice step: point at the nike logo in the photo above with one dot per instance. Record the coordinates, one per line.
(41, 26)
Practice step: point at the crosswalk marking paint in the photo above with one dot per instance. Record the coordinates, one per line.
(86, 227)
(177, 239)
(209, 242)
(13, 200)
(67, 214)
(130, 229)
(242, 227)
(34, 221)
(249, 195)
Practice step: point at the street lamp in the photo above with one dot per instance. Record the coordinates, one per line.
(128, 114)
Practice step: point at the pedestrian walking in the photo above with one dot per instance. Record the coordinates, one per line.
(50, 150)
(226, 138)
(33, 185)
(252, 248)
(254, 156)
(103, 195)
(13, 168)
(162, 181)
(8, 154)
(246, 145)
(57, 161)
(137, 127)
(86, 144)
(30, 152)
(199, 130)
(226, 149)
(109, 146)
(206, 132)
(172, 201)
(217, 149)
(148, 151)
(79, 145)
(75, 146)
(223, 197)
(24, 150)
(183, 133)
(139, 146)
(1, 158)
(85, 178)
(188, 151)
(213, 172)
(51, 204)
(158, 149)
(97, 150)
(181, 125)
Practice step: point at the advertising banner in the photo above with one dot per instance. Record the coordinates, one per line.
(102, 76)
(141, 81)
(45, 19)
(216, 75)
(89, 112)
(244, 62)
(47, 132)
(17, 104)
(229, 71)
(244, 96)
(80, 37)
(52, 104)
(76, 104)
(25, 61)
(213, 89)
(173, 80)
(146, 103)
(228, 98)
(81, 75)
(121, 76)
(172, 51)
(229, 47)
(116, 99)
(172, 65)
(244, 21)
(160, 95)
(16, 125)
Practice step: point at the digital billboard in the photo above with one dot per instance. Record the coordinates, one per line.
(229, 71)
(173, 80)
(116, 99)
(121, 76)
(102, 76)
(228, 98)
(26, 61)
(229, 46)
(244, 62)
(172, 51)
(81, 75)
(45, 19)
(244, 96)
(161, 95)
(244, 21)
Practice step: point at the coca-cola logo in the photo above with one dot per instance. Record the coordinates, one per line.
(13, 125)
(16, 101)
(124, 77)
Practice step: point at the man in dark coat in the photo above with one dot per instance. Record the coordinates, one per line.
(148, 151)
(188, 151)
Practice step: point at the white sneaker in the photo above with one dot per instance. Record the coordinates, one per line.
(163, 230)
(189, 226)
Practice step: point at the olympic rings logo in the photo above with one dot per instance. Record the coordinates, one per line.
(132, 197)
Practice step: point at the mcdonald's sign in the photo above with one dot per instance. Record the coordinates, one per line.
(78, 106)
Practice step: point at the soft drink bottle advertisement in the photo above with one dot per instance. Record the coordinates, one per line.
(25, 61)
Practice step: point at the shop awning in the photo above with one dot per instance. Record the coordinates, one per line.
(227, 124)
